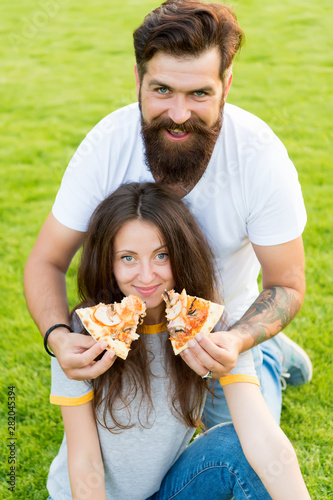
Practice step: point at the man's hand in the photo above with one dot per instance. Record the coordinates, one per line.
(217, 352)
(76, 354)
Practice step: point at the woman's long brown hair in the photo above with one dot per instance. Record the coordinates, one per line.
(192, 265)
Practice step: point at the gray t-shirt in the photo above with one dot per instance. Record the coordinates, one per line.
(136, 459)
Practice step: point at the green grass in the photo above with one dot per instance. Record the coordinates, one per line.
(64, 65)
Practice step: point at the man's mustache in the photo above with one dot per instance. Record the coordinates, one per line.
(190, 125)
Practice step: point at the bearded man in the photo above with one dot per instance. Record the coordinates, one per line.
(233, 172)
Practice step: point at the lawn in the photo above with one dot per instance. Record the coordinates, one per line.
(64, 65)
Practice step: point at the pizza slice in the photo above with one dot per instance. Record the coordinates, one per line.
(115, 323)
(188, 316)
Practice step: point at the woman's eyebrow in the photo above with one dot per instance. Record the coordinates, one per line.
(160, 248)
(135, 253)
(125, 250)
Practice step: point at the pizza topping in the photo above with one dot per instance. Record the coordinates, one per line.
(114, 323)
(105, 316)
(187, 316)
(126, 334)
(175, 331)
(179, 342)
(174, 311)
(128, 329)
(191, 311)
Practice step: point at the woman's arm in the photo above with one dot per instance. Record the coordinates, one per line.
(266, 447)
(85, 464)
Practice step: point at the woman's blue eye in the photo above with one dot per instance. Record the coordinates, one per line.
(162, 256)
(127, 258)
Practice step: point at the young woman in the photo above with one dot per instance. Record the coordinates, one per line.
(126, 433)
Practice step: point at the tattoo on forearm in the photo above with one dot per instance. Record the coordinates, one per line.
(270, 313)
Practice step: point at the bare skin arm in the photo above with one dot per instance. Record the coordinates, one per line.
(85, 464)
(281, 299)
(45, 291)
(265, 446)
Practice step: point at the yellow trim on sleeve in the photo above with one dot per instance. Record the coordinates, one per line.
(64, 401)
(159, 328)
(232, 379)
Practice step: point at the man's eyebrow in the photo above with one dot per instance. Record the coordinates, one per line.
(204, 89)
(156, 83)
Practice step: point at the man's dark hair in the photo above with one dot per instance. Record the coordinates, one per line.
(183, 28)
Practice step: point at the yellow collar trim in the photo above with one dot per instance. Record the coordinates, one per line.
(160, 327)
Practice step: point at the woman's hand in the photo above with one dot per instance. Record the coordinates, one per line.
(218, 352)
(76, 354)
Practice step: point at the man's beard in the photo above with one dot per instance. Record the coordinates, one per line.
(181, 162)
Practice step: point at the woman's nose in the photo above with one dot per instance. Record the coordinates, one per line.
(146, 274)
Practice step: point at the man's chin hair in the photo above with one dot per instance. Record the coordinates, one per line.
(180, 168)
(179, 163)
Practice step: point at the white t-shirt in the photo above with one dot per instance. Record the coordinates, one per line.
(137, 459)
(249, 192)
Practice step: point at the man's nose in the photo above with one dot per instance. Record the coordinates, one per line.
(179, 110)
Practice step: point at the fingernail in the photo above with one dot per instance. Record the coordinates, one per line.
(103, 345)
(191, 343)
(198, 337)
(111, 354)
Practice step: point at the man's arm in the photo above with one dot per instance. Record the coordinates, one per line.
(282, 297)
(45, 291)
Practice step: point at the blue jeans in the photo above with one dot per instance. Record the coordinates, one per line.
(213, 467)
(267, 360)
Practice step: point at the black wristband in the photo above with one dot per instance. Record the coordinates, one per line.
(59, 325)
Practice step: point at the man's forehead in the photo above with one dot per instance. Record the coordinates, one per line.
(212, 54)
(204, 66)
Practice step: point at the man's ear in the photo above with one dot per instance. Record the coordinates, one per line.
(137, 81)
(227, 86)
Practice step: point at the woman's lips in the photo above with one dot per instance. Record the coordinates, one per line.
(146, 291)
(177, 136)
